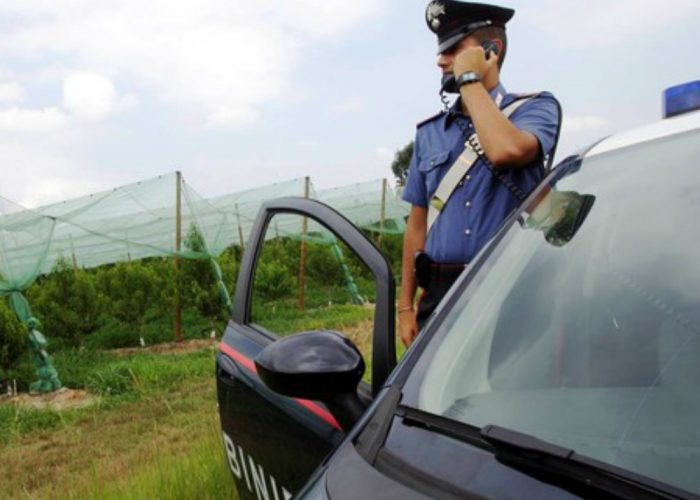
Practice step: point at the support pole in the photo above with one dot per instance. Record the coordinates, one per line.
(382, 212)
(302, 259)
(178, 242)
(240, 230)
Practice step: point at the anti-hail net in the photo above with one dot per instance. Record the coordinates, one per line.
(144, 219)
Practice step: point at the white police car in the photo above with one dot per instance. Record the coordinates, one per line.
(565, 362)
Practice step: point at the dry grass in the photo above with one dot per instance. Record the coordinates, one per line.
(104, 451)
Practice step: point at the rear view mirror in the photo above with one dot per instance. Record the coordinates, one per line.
(319, 365)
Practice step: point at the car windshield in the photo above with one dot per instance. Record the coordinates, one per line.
(583, 327)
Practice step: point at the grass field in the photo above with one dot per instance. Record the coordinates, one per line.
(153, 434)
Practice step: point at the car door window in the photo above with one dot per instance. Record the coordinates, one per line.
(306, 278)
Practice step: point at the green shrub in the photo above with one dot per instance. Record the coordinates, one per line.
(112, 380)
(198, 284)
(131, 288)
(114, 334)
(273, 280)
(67, 303)
(12, 338)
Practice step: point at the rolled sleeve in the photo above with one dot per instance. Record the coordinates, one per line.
(415, 190)
(540, 117)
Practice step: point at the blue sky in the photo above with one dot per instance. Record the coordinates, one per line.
(94, 94)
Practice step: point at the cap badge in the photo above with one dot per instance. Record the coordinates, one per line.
(435, 10)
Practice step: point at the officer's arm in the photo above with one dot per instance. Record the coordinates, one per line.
(505, 144)
(413, 240)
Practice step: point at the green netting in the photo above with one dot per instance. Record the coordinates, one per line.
(367, 208)
(152, 218)
(141, 220)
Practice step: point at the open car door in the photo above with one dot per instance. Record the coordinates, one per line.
(274, 443)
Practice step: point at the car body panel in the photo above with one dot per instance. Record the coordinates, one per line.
(274, 443)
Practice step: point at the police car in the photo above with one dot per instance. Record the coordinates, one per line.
(565, 361)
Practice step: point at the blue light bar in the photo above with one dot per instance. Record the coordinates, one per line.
(681, 99)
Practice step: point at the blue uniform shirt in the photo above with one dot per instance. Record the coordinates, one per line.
(478, 207)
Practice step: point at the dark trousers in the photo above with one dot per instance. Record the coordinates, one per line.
(436, 288)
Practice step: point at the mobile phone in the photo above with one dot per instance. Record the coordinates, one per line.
(489, 48)
(449, 83)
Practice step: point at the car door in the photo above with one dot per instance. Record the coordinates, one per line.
(273, 443)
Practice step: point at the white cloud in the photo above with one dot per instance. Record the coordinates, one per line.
(87, 97)
(218, 58)
(92, 97)
(324, 18)
(31, 120)
(603, 23)
(11, 93)
(43, 168)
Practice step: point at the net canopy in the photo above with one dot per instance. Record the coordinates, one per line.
(164, 217)
(154, 218)
(373, 205)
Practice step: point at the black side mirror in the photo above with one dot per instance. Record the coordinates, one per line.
(320, 365)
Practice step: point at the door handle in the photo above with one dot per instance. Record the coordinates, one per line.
(227, 368)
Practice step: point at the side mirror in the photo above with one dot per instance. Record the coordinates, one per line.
(319, 365)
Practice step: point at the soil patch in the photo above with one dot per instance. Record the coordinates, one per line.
(184, 347)
(63, 399)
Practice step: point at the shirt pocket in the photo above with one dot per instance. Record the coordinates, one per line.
(432, 169)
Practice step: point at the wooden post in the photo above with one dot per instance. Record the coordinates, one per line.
(240, 231)
(382, 212)
(178, 241)
(302, 259)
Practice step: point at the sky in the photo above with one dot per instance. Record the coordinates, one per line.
(99, 93)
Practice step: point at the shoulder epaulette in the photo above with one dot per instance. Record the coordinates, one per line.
(428, 120)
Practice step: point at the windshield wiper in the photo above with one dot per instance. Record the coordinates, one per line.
(549, 462)
(527, 452)
(442, 425)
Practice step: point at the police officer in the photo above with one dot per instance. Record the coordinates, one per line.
(512, 155)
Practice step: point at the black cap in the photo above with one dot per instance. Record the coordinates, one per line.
(452, 21)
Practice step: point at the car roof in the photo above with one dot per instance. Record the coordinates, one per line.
(657, 130)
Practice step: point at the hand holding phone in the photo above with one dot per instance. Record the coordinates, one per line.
(448, 84)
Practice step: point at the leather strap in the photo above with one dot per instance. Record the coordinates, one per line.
(460, 168)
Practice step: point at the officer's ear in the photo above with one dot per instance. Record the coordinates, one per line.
(500, 46)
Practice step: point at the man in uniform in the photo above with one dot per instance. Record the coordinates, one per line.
(510, 156)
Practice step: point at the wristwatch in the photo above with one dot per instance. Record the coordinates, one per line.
(467, 78)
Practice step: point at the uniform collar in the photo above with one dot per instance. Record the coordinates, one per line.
(498, 94)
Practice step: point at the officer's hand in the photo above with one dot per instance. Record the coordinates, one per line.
(474, 59)
(408, 327)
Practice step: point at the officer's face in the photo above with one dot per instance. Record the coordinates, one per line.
(446, 59)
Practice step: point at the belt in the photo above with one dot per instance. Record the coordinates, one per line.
(430, 273)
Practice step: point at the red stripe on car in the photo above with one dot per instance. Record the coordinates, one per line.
(247, 363)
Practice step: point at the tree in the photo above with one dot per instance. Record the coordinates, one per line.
(67, 303)
(12, 338)
(402, 160)
(198, 284)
